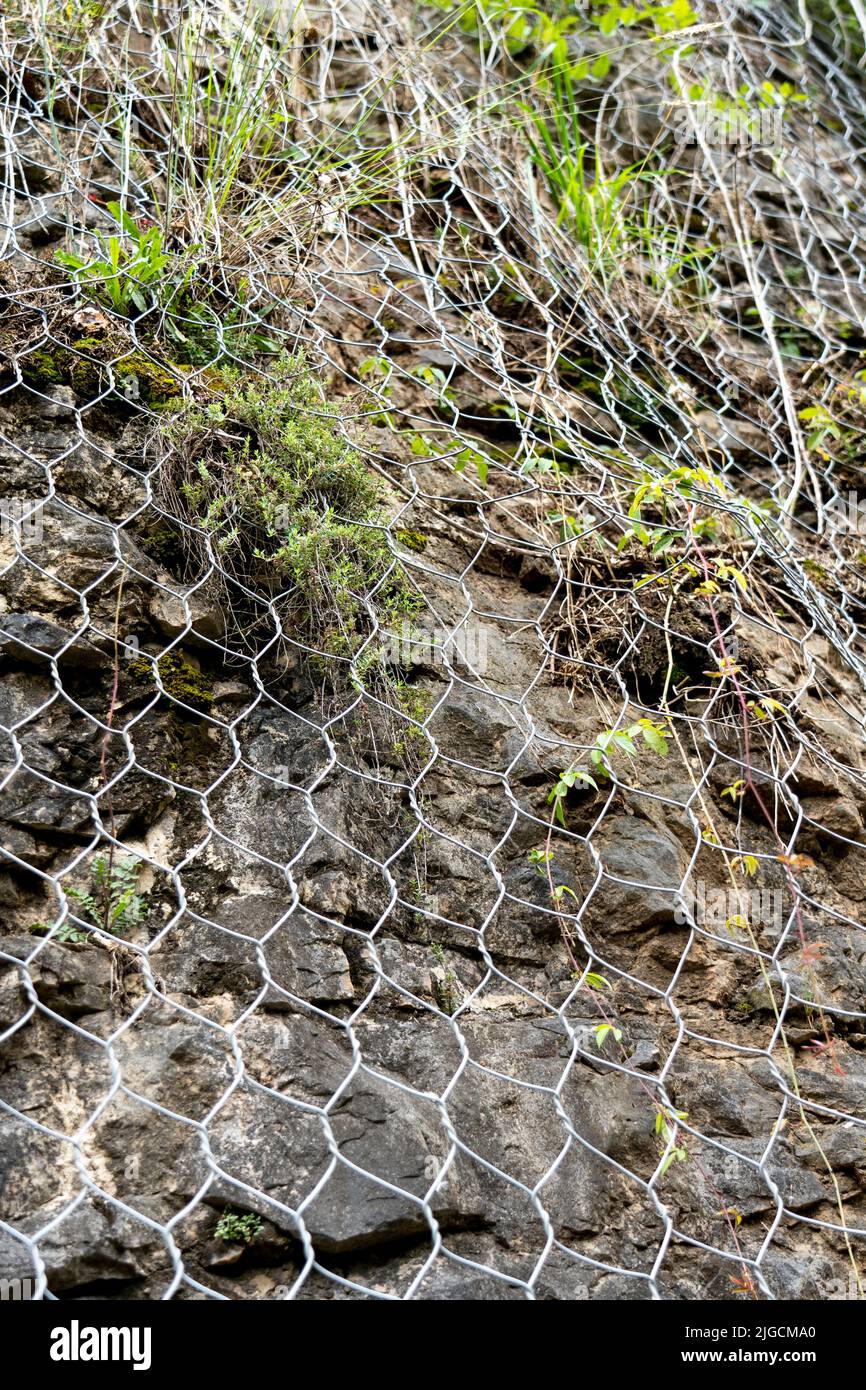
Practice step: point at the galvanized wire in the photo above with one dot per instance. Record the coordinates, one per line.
(445, 300)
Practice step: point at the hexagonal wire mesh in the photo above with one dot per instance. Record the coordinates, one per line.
(315, 943)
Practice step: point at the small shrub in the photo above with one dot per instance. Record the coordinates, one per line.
(276, 494)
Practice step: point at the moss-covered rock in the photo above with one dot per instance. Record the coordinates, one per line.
(181, 678)
(92, 366)
(45, 367)
(412, 540)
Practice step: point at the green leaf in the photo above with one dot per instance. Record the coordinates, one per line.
(122, 216)
(664, 540)
(654, 740)
(597, 981)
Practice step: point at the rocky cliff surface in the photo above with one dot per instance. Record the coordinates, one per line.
(314, 984)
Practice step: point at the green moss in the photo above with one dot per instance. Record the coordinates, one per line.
(816, 571)
(41, 368)
(412, 540)
(156, 384)
(214, 379)
(136, 376)
(181, 679)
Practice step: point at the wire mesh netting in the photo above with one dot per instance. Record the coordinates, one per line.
(433, 561)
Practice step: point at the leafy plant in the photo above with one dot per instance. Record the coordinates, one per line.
(207, 332)
(664, 18)
(127, 271)
(560, 789)
(545, 28)
(765, 708)
(745, 112)
(822, 426)
(237, 1228)
(539, 858)
(595, 981)
(67, 933)
(667, 1131)
(378, 372)
(479, 462)
(627, 741)
(437, 380)
(518, 26)
(111, 901)
(736, 790)
(708, 587)
(664, 493)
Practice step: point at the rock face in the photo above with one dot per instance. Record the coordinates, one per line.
(350, 1013)
(305, 988)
